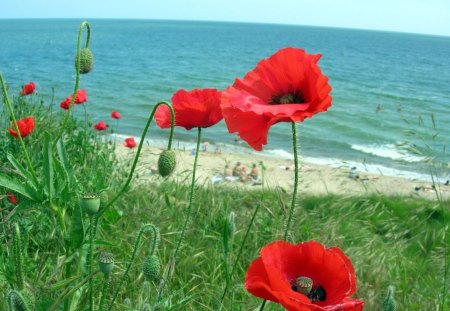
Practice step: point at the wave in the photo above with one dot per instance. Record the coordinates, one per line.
(389, 151)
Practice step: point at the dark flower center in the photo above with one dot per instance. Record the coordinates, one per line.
(295, 97)
(304, 285)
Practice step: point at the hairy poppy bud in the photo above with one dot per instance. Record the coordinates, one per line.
(151, 268)
(166, 163)
(105, 262)
(90, 203)
(86, 60)
(23, 300)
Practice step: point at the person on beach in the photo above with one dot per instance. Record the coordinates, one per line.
(227, 172)
(237, 169)
(254, 174)
(205, 146)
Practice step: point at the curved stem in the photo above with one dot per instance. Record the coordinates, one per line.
(191, 195)
(294, 194)
(16, 128)
(133, 256)
(136, 158)
(77, 77)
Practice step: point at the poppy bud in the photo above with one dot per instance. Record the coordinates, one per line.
(105, 262)
(86, 60)
(231, 225)
(151, 268)
(389, 303)
(90, 203)
(21, 300)
(166, 163)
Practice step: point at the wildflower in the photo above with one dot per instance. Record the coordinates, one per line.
(28, 89)
(286, 87)
(12, 198)
(100, 126)
(305, 276)
(196, 108)
(25, 125)
(130, 143)
(80, 98)
(116, 115)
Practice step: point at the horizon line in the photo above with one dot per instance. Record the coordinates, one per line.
(227, 21)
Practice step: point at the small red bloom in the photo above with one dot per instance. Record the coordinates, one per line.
(280, 273)
(28, 89)
(286, 87)
(66, 103)
(101, 126)
(81, 97)
(196, 108)
(25, 125)
(130, 143)
(12, 198)
(116, 115)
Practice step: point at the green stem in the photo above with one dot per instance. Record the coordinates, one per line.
(133, 256)
(104, 291)
(136, 158)
(191, 195)
(294, 194)
(16, 128)
(18, 256)
(91, 259)
(77, 77)
(241, 248)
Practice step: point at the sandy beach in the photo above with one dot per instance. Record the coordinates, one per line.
(278, 173)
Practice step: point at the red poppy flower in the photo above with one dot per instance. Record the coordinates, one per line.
(287, 87)
(28, 89)
(101, 126)
(130, 143)
(196, 108)
(66, 103)
(81, 97)
(304, 277)
(116, 115)
(25, 125)
(12, 198)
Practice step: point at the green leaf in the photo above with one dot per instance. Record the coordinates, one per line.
(62, 154)
(48, 167)
(77, 228)
(18, 187)
(21, 170)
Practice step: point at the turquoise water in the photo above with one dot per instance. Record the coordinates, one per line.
(138, 63)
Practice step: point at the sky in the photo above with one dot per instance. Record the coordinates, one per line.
(415, 16)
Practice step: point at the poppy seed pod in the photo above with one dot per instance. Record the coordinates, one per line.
(166, 163)
(86, 61)
(23, 300)
(151, 268)
(90, 203)
(389, 303)
(105, 262)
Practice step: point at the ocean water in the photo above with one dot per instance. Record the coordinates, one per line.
(138, 63)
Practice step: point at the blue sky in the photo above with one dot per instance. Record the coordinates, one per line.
(417, 16)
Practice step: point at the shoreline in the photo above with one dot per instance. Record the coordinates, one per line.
(316, 179)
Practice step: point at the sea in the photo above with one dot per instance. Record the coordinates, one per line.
(391, 91)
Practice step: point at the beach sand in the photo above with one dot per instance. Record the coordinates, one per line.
(314, 179)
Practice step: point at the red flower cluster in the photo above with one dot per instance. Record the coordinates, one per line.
(287, 87)
(101, 126)
(116, 115)
(80, 98)
(28, 89)
(304, 277)
(130, 142)
(25, 125)
(196, 108)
